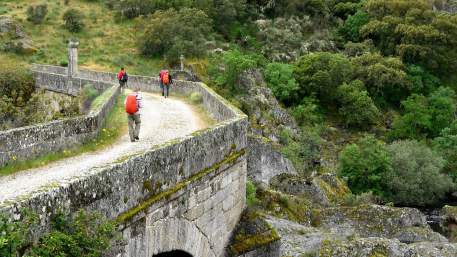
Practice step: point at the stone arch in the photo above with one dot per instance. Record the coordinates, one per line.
(172, 234)
(173, 254)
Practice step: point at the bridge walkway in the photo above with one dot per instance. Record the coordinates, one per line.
(162, 120)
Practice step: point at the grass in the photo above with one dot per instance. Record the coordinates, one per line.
(116, 125)
(104, 44)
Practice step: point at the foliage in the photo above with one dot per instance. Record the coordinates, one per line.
(384, 77)
(366, 165)
(413, 31)
(16, 83)
(416, 179)
(251, 195)
(320, 74)
(279, 78)
(361, 199)
(350, 30)
(307, 112)
(73, 19)
(37, 13)
(87, 234)
(303, 149)
(196, 98)
(425, 116)
(172, 33)
(423, 82)
(446, 146)
(357, 108)
(225, 69)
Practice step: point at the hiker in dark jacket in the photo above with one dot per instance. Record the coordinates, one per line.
(165, 82)
(123, 78)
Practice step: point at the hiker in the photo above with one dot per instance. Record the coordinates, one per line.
(123, 78)
(165, 82)
(133, 105)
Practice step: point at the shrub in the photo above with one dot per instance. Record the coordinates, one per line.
(320, 74)
(73, 20)
(196, 98)
(279, 78)
(37, 13)
(425, 116)
(446, 145)
(16, 83)
(350, 30)
(422, 81)
(416, 179)
(357, 108)
(251, 194)
(172, 33)
(366, 165)
(307, 113)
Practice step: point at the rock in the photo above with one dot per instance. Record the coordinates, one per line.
(14, 39)
(377, 221)
(265, 162)
(448, 222)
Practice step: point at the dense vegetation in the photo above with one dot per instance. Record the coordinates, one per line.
(86, 234)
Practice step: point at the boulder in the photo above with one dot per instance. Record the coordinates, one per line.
(13, 38)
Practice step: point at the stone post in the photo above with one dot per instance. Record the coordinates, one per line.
(181, 58)
(72, 58)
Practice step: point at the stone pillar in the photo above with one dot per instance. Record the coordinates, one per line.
(72, 58)
(181, 58)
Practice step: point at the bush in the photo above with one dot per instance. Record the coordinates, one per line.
(357, 108)
(446, 145)
(425, 116)
(172, 33)
(279, 78)
(251, 194)
(73, 20)
(16, 83)
(350, 30)
(37, 13)
(416, 179)
(320, 74)
(307, 113)
(196, 98)
(366, 165)
(226, 69)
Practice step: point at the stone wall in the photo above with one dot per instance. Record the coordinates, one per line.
(186, 194)
(37, 140)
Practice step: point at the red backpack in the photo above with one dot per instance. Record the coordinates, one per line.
(166, 78)
(131, 106)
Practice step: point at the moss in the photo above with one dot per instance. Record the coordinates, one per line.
(255, 241)
(128, 215)
(147, 185)
(103, 98)
(335, 193)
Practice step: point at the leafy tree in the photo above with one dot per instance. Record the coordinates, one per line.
(425, 116)
(416, 179)
(384, 77)
(350, 30)
(345, 8)
(226, 69)
(73, 20)
(307, 112)
(446, 145)
(173, 33)
(413, 31)
(357, 108)
(320, 74)
(279, 78)
(423, 82)
(366, 165)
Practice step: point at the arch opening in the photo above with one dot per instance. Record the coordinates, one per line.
(176, 253)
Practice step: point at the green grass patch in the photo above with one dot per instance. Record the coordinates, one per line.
(98, 102)
(116, 125)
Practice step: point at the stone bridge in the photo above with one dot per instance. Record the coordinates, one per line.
(183, 197)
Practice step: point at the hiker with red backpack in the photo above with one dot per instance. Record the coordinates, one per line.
(123, 78)
(133, 105)
(165, 82)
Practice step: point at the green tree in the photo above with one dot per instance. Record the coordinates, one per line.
(73, 20)
(320, 74)
(172, 33)
(350, 30)
(366, 165)
(446, 145)
(416, 179)
(357, 108)
(425, 116)
(279, 78)
(413, 31)
(384, 77)
(423, 82)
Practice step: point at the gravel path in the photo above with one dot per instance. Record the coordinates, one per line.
(162, 120)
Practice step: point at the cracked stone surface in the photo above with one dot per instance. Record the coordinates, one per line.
(162, 120)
